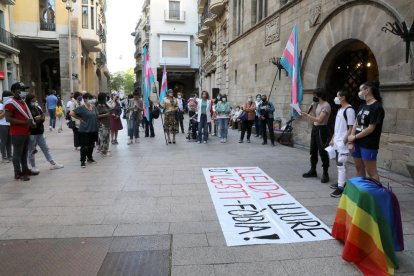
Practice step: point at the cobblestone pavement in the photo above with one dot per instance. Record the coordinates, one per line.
(155, 197)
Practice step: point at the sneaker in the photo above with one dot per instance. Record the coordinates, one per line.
(130, 142)
(50, 128)
(35, 170)
(224, 140)
(325, 178)
(310, 173)
(198, 142)
(248, 140)
(240, 141)
(56, 166)
(205, 142)
(91, 161)
(136, 141)
(264, 143)
(334, 186)
(106, 154)
(273, 144)
(5, 160)
(24, 178)
(338, 192)
(31, 172)
(83, 165)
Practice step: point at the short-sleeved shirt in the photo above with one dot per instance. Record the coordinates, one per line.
(89, 122)
(15, 129)
(3, 122)
(323, 107)
(39, 129)
(51, 102)
(372, 114)
(341, 126)
(103, 109)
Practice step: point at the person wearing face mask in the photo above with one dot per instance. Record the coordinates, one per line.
(213, 125)
(51, 103)
(257, 125)
(366, 133)
(88, 128)
(204, 113)
(37, 137)
(345, 119)
(320, 133)
(234, 116)
(192, 109)
(170, 106)
(20, 119)
(134, 117)
(223, 110)
(182, 106)
(266, 110)
(115, 123)
(250, 109)
(5, 139)
(73, 104)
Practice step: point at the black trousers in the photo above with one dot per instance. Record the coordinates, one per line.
(87, 142)
(149, 127)
(269, 123)
(190, 114)
(20, 147)
(319, 141)
(75, 137)
(246, 126)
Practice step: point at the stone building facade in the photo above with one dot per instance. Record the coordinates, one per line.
(342, 45)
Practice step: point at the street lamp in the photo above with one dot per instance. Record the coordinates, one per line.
(70, 10)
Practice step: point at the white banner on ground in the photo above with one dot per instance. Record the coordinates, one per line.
(254, 209)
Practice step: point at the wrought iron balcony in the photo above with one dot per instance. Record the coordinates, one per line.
(217, 6)
(47, 26)
(101, 59)
(8, 38)
(8, 2)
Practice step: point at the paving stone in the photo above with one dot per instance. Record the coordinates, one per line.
(86, 231)
(320, 266)
(140, 243)
(32, 232)
(202, 255)
(191, 270)
(156, 228)
(189, 240)
(195, 227)
(248, 269)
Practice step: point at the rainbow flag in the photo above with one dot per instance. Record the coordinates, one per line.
(164, 86)
(368, 220)
(148, 82)
(290, 61)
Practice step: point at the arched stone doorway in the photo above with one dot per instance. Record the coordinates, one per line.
(348, 65)
(50, 76)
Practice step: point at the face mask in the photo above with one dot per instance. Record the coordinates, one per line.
(179, 97)
(224, 99)
(237, 109)
(218, 98)
(22, 94)
(337, 101)
(170, 95)
(34, 104)
(361, 95)
(315, 99)
(93, 101)
(250, 100)
(258, 99)
(263, 99)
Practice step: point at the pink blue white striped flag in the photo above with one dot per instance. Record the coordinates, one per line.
(164, 85)
(290, 61)
(148, 82)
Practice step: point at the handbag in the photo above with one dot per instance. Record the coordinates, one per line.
(71, 124)
(243, 116)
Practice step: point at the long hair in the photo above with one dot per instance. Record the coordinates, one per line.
(102, 99)
(374, 86)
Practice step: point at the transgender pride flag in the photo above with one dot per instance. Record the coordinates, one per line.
(290, 61)
(164, 86)
(148, 82)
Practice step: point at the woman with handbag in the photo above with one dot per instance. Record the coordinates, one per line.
(249, 110)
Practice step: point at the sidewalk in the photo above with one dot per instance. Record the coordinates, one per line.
(148, 209)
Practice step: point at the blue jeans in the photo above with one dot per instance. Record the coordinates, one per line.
(52, 113)
(38, 140)
(258, 126)
(133, 128)
(223, 124)
(202, 128)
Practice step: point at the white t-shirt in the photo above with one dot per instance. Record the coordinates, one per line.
(3, 121)
(341, 127)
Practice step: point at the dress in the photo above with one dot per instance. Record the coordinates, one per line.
(115, 123)
(170, 110)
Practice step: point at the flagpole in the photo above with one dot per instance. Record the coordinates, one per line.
(162, 119)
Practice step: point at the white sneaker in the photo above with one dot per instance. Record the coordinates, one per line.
(50, 128)
(56, 166)
(198, 142)
(130, 142)
(35, 170)
(225, 140)
(205, 142)
(136, 141)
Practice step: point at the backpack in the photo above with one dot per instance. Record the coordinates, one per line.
(155, 112)
(59, 111)
(346, 116)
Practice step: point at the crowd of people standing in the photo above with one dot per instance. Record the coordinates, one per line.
(96, 121)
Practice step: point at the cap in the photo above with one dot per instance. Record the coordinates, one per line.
(18, 86)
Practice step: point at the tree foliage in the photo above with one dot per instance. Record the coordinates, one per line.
(123, 81)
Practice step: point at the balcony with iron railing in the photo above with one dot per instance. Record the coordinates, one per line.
(207, 18)
(101, 59)
(174, 15)
(47, 26)
(8, 2)
(217, 6)
(8, 38)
